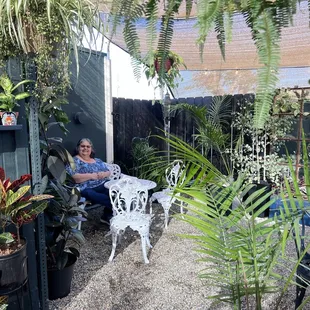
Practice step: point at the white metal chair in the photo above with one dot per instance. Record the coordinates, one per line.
(129, 201)
(115, 171)
(166, 197)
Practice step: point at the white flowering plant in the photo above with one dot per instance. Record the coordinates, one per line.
(254, 153)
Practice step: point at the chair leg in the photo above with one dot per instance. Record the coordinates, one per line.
(114, 241)
(166, 206)
(143, 245)
(148, 241)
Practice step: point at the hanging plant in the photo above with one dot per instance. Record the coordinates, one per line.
(166, 67)
(48, 32)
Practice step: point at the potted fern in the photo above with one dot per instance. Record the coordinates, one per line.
(9, 98)
(17, 207)
(167, 67)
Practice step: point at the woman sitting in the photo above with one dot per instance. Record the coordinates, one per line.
(90, 174)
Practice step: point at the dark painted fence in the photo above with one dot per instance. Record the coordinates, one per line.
(141, 118)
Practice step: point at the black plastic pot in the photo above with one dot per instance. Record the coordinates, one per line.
(13, 270)
(59, 281)
(256, 187)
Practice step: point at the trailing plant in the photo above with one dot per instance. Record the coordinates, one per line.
(47, 32)
(264, 18)
(9, 97)
(286, 101)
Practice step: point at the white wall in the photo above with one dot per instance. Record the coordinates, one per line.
(123, 82)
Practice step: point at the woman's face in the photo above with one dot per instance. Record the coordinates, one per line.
(85, 148)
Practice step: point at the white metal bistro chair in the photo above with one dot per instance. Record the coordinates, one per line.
(165, 197)
(129, 201)
(115, 171)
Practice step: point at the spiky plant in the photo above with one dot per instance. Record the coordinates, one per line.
(211, 123)
(264, 18)
(245, 252)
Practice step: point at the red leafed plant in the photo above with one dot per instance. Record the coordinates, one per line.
(17, 205)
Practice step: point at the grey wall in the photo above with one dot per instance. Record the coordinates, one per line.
(86, 109)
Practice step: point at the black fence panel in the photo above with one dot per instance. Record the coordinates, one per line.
(143, 118)
(135, 118)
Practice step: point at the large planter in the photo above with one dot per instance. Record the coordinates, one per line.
(59, 281)
(13, 270)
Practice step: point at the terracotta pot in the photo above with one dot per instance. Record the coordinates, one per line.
(9, 118)
(168, 64)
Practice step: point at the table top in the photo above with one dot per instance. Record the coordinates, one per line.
(146, 183)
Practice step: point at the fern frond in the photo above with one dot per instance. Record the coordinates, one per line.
(189, 6)
(151, 14)
(207, 11)
(164, 44)
(219, 29)
(267, 42)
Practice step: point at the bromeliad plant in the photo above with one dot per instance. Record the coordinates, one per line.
(17, 206)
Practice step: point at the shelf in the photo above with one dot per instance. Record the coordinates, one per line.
(8, 128)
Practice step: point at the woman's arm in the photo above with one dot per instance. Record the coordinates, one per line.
(82, 177)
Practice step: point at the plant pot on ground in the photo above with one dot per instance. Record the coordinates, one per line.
(17, 207)
(63, 239)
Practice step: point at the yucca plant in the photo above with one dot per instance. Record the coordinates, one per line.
(245, 250)
(17, 206)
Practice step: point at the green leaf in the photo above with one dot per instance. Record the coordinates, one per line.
(6, 238)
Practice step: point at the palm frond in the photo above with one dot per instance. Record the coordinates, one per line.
(220, 109)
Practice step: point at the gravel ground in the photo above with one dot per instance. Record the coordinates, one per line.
(168, 282)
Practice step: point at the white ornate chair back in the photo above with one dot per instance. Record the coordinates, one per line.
(127, 196)
(115, 171)
(174, 172)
